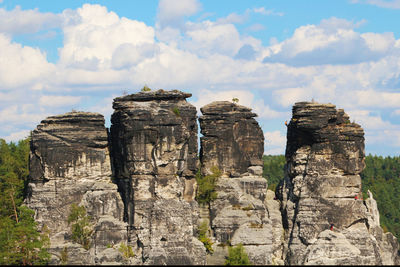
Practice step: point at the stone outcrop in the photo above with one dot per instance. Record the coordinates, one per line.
(70, 164)
(137, 182)
(322, 187)
(243, 212)
(154, 149)
(232, 139)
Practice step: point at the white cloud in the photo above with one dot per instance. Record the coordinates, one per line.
(171, 12)
(57, 101)
(21, 65)
(275, 143)
(333, 41)
(91, 41)
(268, 12)
(375, 99)
(18, 21)
(393, 4)
(16, 136)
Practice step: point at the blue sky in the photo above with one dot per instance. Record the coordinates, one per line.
(56, 56)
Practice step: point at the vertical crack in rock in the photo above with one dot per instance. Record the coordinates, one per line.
(154, 146)
(70, 164)
(244, 211)
(325, 155)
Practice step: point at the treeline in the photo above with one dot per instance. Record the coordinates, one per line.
(20, 242)
(381, 176)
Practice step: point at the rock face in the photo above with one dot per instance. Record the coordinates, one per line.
(70, 163)
(243, 212)
(232, 139)
(325, 155)
(154, 149)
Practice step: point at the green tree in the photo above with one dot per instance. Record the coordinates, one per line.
(81, 226)
(273, 169)
(20, 241)
(206, 186)
(237, 256)
(203, 237)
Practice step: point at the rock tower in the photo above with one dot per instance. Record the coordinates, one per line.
(70, 164)
(154, 149)
(325, 219)
(244, 212)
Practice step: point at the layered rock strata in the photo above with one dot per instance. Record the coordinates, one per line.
(70, 164)
(243, 212)
(325, 219)
(154, 148)
(232, 139)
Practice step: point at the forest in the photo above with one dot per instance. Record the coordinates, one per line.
(22, 244)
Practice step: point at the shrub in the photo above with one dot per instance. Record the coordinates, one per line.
(235, 100)
(206, 186)
(64, 256)
(126, 251)
(203, 229)
(176, 111)
(237, 256)
(145, 89)
(81, 227)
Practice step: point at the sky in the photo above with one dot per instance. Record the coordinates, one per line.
(59, 56)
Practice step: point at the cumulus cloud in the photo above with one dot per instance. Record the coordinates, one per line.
(275, 143)
(57, 101)
(97, 35)
(21, 65)
(333, 41)
(268, 12)
(16, 136)
(172, 12)
(18, 21)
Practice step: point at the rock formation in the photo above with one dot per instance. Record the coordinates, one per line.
(243, 212)
(322, 188)
(154, 148)
(233, 141)
(70, 163)
(138, 184)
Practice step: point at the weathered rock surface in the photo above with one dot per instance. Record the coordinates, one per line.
(232, 139)
(243, 211)
(325, 155)
(154, 149)
(70, 163)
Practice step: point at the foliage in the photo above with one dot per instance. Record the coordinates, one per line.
(203, 229)
(176, 111)
(235, 100)
(381, 177)
(81, 227)
(237, 256)
(126, 251)
(206, 186)
(64, 256)
(145, 88)
(20, 241)
(273, 169)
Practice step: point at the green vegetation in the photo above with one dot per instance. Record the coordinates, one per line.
(20, 241)
(237, 256)
(235, 100)
(64, 256)
(203, 237)
(81, 227)
(273, 170)
(206, 186)
(145, 88)
(176, 111)
(126, 251)
(382, 177)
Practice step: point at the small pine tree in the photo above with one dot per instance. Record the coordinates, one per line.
(237, 256)
(81, 227)
(235, 100)
(203, 229)
(206, 186)
(145, 88)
